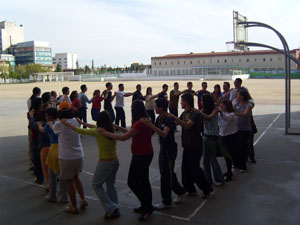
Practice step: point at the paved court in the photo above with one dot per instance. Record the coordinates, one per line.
(267, 194)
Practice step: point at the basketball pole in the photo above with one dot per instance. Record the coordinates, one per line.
(287, 54)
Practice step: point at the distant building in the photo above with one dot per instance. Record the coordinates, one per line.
(10, 34)
(66, 60)
(33, 52)
(8, 58)
(218, 62)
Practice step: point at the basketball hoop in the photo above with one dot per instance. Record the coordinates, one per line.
(240, 32)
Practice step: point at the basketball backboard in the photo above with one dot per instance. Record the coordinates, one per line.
(240, 31)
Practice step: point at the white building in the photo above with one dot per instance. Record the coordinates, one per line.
(218, 63)
(66, 60)
(10, 34)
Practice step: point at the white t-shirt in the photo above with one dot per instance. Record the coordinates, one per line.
(149, 105)
(64, 98)
(227, 124)
(69, 144)
(120, 99)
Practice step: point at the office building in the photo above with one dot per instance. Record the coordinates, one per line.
(10, 34)
(66, 60)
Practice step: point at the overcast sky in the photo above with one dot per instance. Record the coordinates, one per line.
(117, 32)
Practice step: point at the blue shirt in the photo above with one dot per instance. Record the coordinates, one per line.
(53, 137)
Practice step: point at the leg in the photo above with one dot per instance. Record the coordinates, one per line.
(52, 191)
(44, 154)
(29, 149)
(111, 183)
(206, 162)
(165, 167)
(36, 159)
(251, 153)
(117, 115)
(123, 117)
(218, 175)
(71, 192)
(79, 187)
(186, 173)
(176, 186)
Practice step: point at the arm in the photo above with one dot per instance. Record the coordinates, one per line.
(121, 137)
(40, 126)
(112, 97)
(163, 133)
(210, 116)
(246, 113)
(128, 94)
(154, 96)
(186, 125)
(122, 129)
(85, 124)
(91, 132)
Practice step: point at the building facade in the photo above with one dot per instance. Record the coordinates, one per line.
(10, 34)
(219, 63)
(66, 60)
(33, 52)
(9, 58)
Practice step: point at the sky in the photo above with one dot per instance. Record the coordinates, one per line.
(118, 33)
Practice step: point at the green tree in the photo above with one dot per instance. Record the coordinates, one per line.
(58, 68)
(4, 71)
(21, 72)
(87, 69)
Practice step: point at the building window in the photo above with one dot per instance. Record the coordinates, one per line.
(271, 59)
(178, 62)
(240, 60)
(159, 63)
(172, 62)
(232, 60)
(191, 62)
(198, 62)
(254, 59)
(166, 63)
(225, 61)
(203, 61)
(183, 62)
(264, 59)
(280, 59)
(248, 60)
(218, 61)
(210, 61)
(155, 65)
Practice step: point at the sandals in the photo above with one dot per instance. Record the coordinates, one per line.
(83, 204)
(70, 209)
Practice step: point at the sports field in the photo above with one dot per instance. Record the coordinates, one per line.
(269, 96)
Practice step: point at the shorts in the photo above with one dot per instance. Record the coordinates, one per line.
(69, 169)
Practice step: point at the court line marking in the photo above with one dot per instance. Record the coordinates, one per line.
(265, 131)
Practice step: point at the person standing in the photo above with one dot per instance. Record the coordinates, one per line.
(142, 155)
(119, 107)
(202, 92)
(76, 105)
(163, 93)
(137, 95)
(83, 101)
(96, 105)
(189, 89)
(70, 156)
(174, 99)
(226, 90)
(149, 104)
(65, 96)
(108, 98)
(192, 126)
(165, 127)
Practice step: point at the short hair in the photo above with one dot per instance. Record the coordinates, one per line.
(121, 85)
(66, 114)
(35, 92)
(203, 83)
(46, 97)
(65, 90)
(245, 94)
(239, 80)
(189, 83)
(227, 83)
(83, 87)
(165, 86)
(108, 84)
(162, 103)
(189, 99)
(176, 83)
(53, 93)
(53, 112)
(138, 85)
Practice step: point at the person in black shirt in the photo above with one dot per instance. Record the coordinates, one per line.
(192, 126)
(137, 94)
(108, 98)
(165, 127)
(164, 94)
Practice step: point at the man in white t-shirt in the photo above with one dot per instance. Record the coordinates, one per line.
(119, 107)
(65, 96)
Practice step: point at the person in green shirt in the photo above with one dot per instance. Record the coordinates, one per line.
(107, 165)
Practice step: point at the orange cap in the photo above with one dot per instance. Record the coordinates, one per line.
(64, 105)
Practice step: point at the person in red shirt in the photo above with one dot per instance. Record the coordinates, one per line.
(96, 105)
(75, 103)
(142, 154)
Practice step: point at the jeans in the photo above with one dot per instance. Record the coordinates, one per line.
(106, 173)
(138, 179)
(251, 153)
(151, 114)
(36, 160)
(62, 185)
(120, 115)
(95, 114)
(210, 147)
(174, 111)
(168, 179)
(192, 172)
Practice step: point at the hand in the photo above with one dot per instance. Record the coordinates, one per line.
(31, 113)
(78, 120)
(64, 121)
(49, 123)
(147, 122)
(172, 115)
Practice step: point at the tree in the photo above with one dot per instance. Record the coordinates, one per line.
(87, 69)
(93, 65)
(58, 68)
(21, 72)
(4, 71)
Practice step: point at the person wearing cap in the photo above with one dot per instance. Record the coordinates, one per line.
(70, 156)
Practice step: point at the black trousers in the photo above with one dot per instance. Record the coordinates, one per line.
(151, 114)
(192, 172)
(242, 149)
(36, 160)
(251, 153)
(111, 113)
(120, 115)
(230, 143)
(168, 179)
(138, 179)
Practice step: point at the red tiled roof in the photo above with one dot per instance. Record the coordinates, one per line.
(213, 54)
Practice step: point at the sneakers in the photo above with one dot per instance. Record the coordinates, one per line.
(70, 209)
(161, 206)
(115, 214)
(180, 198)
(145, 215)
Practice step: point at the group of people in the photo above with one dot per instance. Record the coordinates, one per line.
(222, 126)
